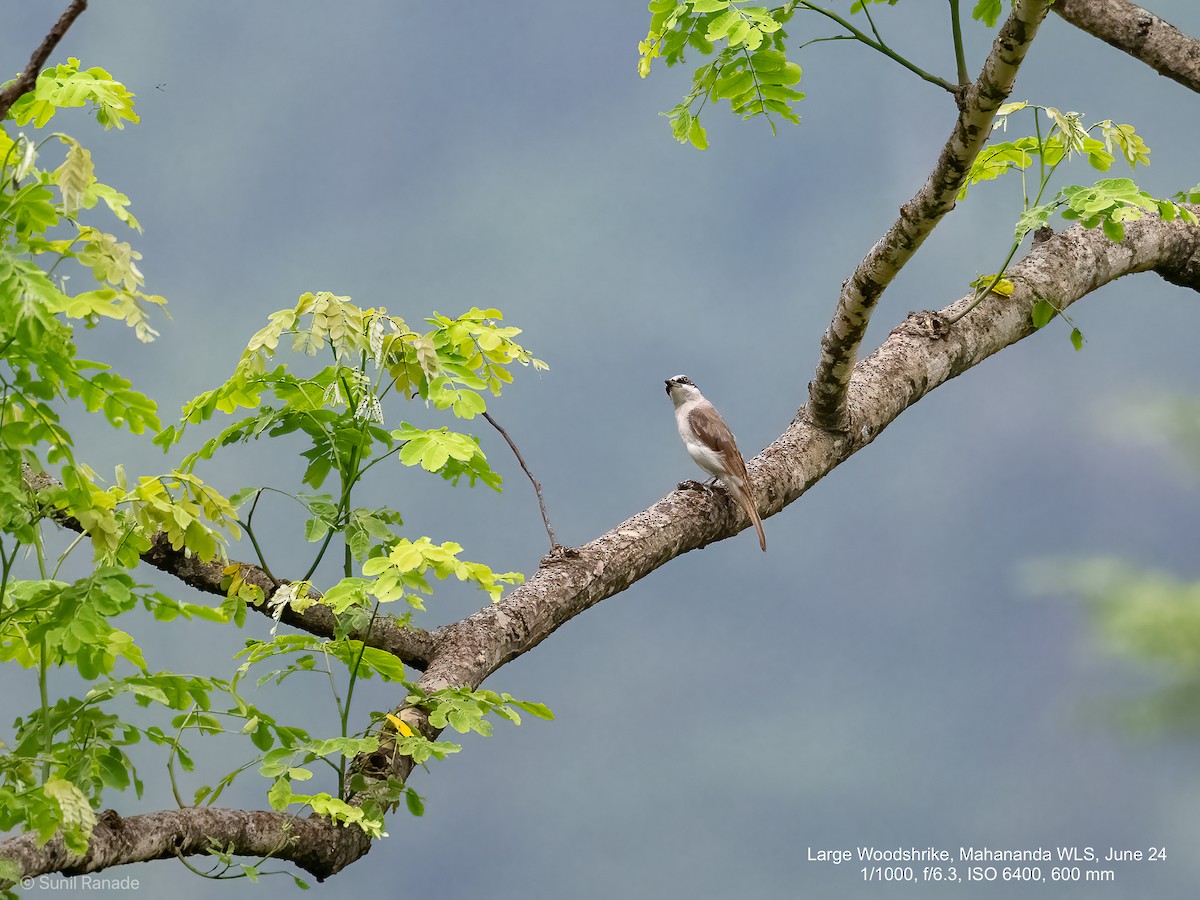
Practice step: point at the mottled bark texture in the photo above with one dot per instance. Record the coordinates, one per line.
(920, 354)
(315, 845)
(1140, 33)
(978, 103)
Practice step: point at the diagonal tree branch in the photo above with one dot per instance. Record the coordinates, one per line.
(28, 78)
(920, 354)
(919, 216)
(412, 646)
(1140, 33)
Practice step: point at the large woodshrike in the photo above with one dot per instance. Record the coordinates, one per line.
(710, 443)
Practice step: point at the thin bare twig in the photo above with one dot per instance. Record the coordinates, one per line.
(28, 78)
(554, 545)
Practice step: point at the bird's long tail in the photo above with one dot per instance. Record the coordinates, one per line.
(741, 493)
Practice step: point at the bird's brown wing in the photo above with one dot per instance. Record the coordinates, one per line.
(711, 429)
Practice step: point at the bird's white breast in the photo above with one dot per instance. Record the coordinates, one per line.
(705, 457)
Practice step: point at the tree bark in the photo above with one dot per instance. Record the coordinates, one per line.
(1140, 33)
(918, 217)
(412, 646)
(315, 845)
(920, 354)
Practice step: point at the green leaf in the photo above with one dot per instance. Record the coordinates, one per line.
(988, 12)
(280, 795)
(76, 817)
(1132, 147)
(733, 84)
(1042, 313)
(74, 177)
(66, 86)
(541, 710)
(414, 803)
(997, 285)
(1077, 338)
(1034, 218)
(722, 24)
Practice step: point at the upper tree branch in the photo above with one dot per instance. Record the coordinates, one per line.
(1140, 33)
(28, 78)
(919, 216)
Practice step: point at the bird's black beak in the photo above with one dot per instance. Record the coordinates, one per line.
(668, 384)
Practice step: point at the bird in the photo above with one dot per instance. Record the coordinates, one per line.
(711, 445)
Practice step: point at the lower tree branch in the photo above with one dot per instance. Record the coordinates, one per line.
(1140, 33)
(316, 845)
(28, 78)
(920, 354)
(412, 646)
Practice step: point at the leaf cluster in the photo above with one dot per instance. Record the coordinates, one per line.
(61, 757)
(750, 70)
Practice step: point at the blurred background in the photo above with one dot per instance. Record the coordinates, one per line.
(884, 674)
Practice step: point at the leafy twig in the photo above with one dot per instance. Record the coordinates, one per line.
(28, 78)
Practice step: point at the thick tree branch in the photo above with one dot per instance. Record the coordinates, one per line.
(28, 78)
(1140, 33)
(412, 646)
(920, 354)
(315, 845)
(918, 217)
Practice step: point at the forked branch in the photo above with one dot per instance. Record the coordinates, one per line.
(917, 357)
(918, 217)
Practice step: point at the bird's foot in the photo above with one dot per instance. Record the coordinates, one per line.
(692, 485)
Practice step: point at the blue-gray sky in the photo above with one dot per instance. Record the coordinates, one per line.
(879, 676)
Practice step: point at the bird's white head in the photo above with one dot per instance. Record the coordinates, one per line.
(680, 389)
